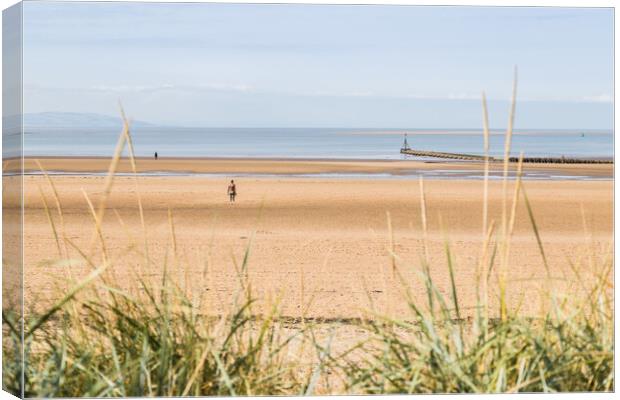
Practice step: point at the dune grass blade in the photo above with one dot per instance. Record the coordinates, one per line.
(507, 146)
(50, 219)
(109, 180)
(32, 328)
(425, 261)
(134, 169)
(541, 248)
(61, 215)
(485, 192)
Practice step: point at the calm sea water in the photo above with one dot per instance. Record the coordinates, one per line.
(310, 142)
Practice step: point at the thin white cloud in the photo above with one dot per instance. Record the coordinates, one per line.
(320, 93)
(130, 88)
(601, 98)
(242, 88)
(168, 87)
(463, 96)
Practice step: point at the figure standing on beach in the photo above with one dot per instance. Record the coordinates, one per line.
(156, 155)
(232, 191)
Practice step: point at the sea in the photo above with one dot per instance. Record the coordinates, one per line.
(325, 143)
(319, 143)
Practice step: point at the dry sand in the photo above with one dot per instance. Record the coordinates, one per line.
(330, 234)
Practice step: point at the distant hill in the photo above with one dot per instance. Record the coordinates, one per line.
(52, 120)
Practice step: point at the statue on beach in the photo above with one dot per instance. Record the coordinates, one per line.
(232, 191)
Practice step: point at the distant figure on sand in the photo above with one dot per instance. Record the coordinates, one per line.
(232, 191)
(156, 155)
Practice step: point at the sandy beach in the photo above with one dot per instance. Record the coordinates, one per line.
(320, 242)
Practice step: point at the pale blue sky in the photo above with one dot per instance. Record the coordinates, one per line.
(316, 65)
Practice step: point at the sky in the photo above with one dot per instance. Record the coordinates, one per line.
(236, 65)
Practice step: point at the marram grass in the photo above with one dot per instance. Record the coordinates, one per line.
(99, 340)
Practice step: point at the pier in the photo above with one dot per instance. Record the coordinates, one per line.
(439, 154)
(474, 157)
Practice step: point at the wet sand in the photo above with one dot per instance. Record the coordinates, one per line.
(298, 166)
